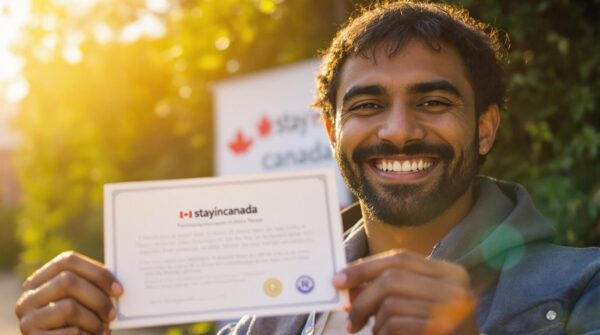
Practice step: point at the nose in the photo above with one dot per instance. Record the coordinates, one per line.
(401, 126)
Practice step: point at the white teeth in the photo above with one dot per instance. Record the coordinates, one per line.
(405, 166)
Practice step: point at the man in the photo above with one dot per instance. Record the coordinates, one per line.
(410, 95)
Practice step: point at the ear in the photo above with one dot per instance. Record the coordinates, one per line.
(489, 120)
(330, 129)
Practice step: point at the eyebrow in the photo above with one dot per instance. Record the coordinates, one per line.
(438, 85)
(364, 90)
(424, 87)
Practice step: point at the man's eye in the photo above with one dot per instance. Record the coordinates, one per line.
(365, 105)
(434, 103)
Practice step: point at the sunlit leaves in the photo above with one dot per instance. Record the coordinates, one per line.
(120, 90)
(201, 328)
(210, 62)
(267, 6)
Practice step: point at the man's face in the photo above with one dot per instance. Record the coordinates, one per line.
(405, 134)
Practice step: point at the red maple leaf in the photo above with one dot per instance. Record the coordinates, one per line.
(240, 144)
(264, 127)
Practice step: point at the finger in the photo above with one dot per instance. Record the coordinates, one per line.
(439, 318)
(65, 331)
(437, 327)
(402, 325)
(367, 269)
(355, 291)
(394, 306)
(65, 313)
(396, 282)
(68, 284)
(90, 269)
(447, 316)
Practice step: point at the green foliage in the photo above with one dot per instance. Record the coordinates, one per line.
(550, 134)
(96, 121)
(135, 109)
(201, 328)
(9, 246)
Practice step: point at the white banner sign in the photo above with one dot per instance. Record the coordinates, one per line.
(263, 123)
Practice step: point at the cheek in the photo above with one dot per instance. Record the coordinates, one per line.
(351, 134)
(457, 131)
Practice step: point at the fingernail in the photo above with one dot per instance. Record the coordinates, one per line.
(116, 289)
(112, 314)
(339, 279)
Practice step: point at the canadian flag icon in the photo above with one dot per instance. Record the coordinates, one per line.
(185, 214)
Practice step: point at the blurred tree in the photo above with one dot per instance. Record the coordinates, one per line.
(93, 116)
(121, 91)
(9, 246)
(550, 134)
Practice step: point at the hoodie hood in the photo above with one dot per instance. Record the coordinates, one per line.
(502, 222)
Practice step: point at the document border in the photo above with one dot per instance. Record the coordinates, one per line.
(320, 176)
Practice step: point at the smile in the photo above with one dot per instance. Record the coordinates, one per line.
(403, 165)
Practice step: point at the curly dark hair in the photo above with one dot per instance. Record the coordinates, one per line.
(395, 24)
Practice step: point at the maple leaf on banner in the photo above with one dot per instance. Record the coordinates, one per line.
(240, 144)
(264, 127)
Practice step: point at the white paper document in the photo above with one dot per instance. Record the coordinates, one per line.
(215, 248)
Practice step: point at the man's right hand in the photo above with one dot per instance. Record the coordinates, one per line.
(71, 294)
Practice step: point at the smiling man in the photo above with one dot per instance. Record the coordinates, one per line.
(411, 96)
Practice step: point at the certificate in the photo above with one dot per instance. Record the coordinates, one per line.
(204, 249)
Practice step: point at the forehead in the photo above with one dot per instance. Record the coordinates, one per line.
(416, 62)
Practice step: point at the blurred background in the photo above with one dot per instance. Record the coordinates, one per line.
(98, 91)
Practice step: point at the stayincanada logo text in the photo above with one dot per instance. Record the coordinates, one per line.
(216, 212)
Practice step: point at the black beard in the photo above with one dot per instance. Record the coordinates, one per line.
(410, 205)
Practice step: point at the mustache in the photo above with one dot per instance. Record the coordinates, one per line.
(414, 148)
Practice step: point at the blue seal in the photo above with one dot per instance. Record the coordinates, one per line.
(305, 284)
